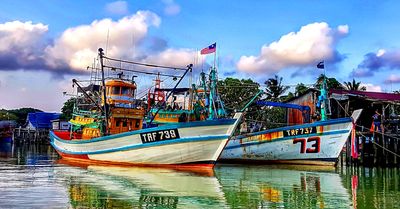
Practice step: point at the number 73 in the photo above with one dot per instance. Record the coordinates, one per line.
(315, 146)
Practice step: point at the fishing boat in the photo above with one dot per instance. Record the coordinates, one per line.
(316, 143)
(112, 131)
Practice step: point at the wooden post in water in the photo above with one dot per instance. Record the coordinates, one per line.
(362, 160)
(348, 150)
(395, 145)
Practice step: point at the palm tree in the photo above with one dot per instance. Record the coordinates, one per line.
(274, 88)
(354, 86)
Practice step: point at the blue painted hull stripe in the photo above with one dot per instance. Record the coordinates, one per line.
(164, 127)
(140, 146)
(285, 138)
(308, 125)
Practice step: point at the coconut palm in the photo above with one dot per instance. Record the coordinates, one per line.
(354, 86)
(274, 88)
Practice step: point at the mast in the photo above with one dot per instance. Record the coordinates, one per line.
(101, 54)
(211, 107)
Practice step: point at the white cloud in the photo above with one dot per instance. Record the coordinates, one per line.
(117, 8)
(372, 87)
(77, 46)
(171, 8)
(379, 61)
(311, 44)
(173, 57)
(20, 35)
(393, 79)
(21, 44)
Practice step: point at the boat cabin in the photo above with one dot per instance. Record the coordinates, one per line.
(125, 114)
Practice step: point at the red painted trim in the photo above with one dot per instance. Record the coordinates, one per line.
(84, 161)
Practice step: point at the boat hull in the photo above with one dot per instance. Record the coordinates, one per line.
(318, 143)
(196, 144)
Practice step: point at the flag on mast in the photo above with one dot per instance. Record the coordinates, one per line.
(321, 65)
(210, 49)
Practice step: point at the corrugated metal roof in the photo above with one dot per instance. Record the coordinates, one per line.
(369, 95)
(42, 120)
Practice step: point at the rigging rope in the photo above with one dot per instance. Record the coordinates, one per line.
(388, 150)
(144, 64)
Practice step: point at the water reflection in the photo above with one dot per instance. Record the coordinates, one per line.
(33, 177)
(140, 187)
(282, 186)
(373, 187)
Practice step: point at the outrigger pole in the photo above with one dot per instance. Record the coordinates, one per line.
(189, 68)
(101, 54)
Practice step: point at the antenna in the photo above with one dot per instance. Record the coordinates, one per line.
(108, 36)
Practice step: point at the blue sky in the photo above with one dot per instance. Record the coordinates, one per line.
(44, 44)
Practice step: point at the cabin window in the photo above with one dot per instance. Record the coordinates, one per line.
(137, 123)
(117, 123)
(115, 90)
(125, 90)
(124, 124)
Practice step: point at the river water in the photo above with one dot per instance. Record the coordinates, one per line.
(32, 176)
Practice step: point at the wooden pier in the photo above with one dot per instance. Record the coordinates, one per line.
(374, 150)
(27, 135)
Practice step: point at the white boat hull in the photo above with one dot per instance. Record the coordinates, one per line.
(194, 143)
(315, 143)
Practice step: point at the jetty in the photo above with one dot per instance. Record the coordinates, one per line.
(36, 130)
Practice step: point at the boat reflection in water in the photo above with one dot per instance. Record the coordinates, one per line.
(282, 186)
(94, 186)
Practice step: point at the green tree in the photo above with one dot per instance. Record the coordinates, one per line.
(6, 115)
(68, 108)
(287, 97)
(354, 86)
(331, 83)
(22, 114)
(274, 88)
(300, 89)
(237, 93)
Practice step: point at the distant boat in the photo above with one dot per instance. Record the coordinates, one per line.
(318, 143)
(110, 129)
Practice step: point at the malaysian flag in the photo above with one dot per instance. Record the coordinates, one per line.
(210, 49)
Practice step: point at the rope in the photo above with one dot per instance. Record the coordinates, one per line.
(347, 113)
(388, 150)
(393, 137)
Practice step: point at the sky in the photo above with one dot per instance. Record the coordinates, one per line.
(45, 44)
